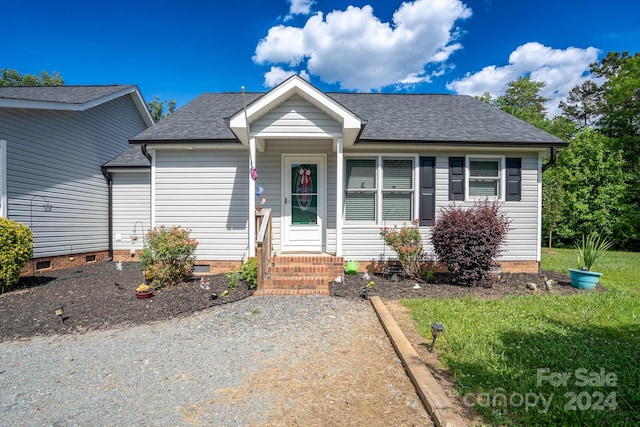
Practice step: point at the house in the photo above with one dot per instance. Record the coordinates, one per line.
(53, 142)
(332, 169)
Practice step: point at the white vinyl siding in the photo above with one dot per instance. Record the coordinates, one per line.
(3, 178)
(131, 209)
(208, 193)
(296, 116)
(58, 155)
(363, 242)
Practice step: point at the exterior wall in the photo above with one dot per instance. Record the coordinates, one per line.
(296, 116)
(206, 191)
(58, 155)
(363, 242)
(131, 211)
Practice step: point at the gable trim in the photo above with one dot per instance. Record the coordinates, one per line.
(295, 85)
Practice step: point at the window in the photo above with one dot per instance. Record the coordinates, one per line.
(480, 177)
(379, 189)
(397, 189)
(360, 198)
(484, 177)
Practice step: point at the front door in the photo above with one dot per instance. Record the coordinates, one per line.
(304, 202)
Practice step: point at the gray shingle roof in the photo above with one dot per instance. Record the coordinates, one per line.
(132, 157)
(60, 94)
(446, 119)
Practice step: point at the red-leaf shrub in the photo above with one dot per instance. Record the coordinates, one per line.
(468, 241)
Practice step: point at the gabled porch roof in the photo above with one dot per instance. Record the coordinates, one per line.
(351, 124)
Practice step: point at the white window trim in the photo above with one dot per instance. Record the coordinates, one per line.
(501, 179)
(415, 191)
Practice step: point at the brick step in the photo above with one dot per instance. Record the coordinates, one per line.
(292, 292)
(295, 269)
(295, 282)
(308, 259)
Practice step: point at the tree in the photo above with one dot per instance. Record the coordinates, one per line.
(553, 203)
(522, 99)
(157, 108)
(9, 77)
(583, 104)
(594, 187)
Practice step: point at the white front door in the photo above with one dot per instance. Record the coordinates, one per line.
(304, 202)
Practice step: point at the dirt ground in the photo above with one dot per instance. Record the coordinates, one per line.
(99, 296)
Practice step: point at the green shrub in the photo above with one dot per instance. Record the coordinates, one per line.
(468, 240)
(16, 249)
(593, 247)
(169, 255)
(407, 242)
(248, 273)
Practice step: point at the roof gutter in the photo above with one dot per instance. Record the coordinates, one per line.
(552, 160)
(109, 179)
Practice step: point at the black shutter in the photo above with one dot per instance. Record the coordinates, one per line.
(456, 178)
(514, 180)
(427, 190)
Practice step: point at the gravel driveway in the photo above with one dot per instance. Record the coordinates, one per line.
(270, 361)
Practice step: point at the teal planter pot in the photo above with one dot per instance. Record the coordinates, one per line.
(584, 279)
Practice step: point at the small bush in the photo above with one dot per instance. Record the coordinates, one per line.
(169, 255)
(16, 249)
(468, 241)
(407, 242)
(248, 273)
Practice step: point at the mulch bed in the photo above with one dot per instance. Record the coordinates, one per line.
(99, 296)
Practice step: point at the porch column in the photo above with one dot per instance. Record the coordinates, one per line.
(252, 200)
(339, 194)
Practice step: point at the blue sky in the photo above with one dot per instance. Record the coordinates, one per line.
(181, 48)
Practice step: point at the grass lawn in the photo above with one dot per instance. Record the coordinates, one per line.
(547, 359)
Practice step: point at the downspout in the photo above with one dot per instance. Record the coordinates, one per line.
(143, 148)
(552, 160)
(109, 179)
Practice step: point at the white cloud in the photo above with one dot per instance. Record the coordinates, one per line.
(299, 7)
(282, 45)
(359, 52)
(277, 75)
(560, 69)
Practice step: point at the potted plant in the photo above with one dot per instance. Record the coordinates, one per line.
(144, 291)
(593, 247)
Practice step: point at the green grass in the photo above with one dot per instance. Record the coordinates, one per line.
(506, 355)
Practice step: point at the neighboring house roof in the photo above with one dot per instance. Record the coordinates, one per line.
(71, 98)
(130, 158)
(448, 119)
